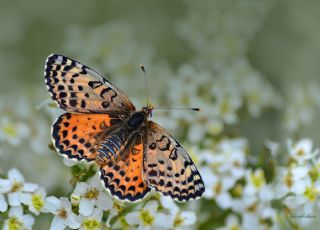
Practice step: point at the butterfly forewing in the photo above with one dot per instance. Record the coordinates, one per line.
(77, 88)
(167, 166)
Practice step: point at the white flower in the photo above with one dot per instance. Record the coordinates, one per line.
(69, 162)
(35, 200)
(175, 219)
(232, 223)
(91, 194)
(294, 180)
(302, 150)
(15, 186)
(255, 182)
(13, 131)
(117, 207)
(63, 215)
(146, 218)
(3, 203)
(18, 220)
(218, 187)
(93, 221)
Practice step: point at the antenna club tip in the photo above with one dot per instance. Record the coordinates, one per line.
(196, 109)
(142, 67)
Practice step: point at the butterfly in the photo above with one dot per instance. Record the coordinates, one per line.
(101, 125)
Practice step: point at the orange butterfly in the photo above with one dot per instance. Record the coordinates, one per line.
(102, 125)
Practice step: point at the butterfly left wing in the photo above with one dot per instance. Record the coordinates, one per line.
(167, 166)
(77, 88)
(78, 136)
(123, 176)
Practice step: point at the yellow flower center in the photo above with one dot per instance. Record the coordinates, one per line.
(266, 222)
(177, 221)
(311, 193)
(117, 206)
(15, 224)
(37, 201)
(10, 130)
(237, 190)
(218, 188)
(252, 208)
(91, 224)
(16, 186)
(63, 213)
(258, 179)
(146, 217)
(92, 193)
(314, 174)
(300, 152)
(123, 222)
(235, 227)
(225, 106)
(288, 180)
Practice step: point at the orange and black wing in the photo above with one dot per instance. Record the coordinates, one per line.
(168, 168)
(78, 136)
(77, 88)
(123, 176)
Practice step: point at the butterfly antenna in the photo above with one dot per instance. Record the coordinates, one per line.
(193, 109)
(146, 83)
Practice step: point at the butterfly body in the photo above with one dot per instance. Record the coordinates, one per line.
(101, 125)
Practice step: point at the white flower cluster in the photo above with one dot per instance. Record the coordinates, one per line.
(235, 187)
(302, 106)
(160, 215)
(298, 181)
(88, 208)
(14, 193)
(245, 192)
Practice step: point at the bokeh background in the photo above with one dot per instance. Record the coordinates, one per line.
(251, 66)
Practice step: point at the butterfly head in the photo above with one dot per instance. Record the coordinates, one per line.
(148, 110)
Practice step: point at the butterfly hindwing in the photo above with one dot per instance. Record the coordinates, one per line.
(77, 136)
(123, 176)
(167, 166)
(77, 88)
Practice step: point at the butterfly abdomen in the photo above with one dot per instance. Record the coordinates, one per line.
(113, 144)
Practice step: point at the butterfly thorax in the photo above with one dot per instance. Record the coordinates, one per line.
(137, 119)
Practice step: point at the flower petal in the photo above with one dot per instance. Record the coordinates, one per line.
(15, 175)
(3, 204)
(5, 185)
(73, 221)
(133, 218)
(152, 206)
(80, 188)
(86, 206)
(14, 199)
(52, 204)
(30, 187)
(188, 217)
(28, 221)
(16, 211)
(104, 202)
(57, 224)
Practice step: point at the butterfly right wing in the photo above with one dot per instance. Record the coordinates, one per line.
(167, 166)
(77, 88)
